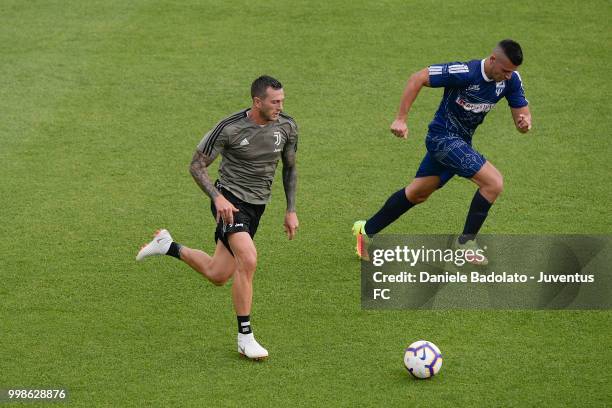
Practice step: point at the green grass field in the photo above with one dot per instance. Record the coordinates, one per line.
(102, 104)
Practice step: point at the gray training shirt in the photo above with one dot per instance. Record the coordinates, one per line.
(250, 153)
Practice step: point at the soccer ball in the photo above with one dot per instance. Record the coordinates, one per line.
(423, 359)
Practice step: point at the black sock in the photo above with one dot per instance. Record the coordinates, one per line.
(244, 324)
(174, 250)
(479, 209)
(395, 206)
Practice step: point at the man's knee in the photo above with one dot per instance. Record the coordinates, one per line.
(220, 274)
(495, 186)
(498, 185)
(247, 263)
(219, 280)
(221, 267)
(417, 196)
(245, 253)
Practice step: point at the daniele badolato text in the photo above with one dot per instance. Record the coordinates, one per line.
(478, 277)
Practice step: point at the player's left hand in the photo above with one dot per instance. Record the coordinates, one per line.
(291, 224)
(524, 123)
(399, 128)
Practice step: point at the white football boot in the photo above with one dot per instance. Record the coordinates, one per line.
(250, 348)
(159, 246)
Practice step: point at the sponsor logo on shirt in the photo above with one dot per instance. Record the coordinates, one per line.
(474, 88)
(474, 107)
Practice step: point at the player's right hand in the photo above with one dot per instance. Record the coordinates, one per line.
(524, 123)
(225, 210)
(399, 128)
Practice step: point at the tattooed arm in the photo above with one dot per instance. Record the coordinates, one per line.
(289, 178)
(290, 185)
(199, 172)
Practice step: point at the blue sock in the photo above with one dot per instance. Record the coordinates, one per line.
(395, 206)
(479, 209)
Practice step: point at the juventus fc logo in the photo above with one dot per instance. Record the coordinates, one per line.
(277, 136)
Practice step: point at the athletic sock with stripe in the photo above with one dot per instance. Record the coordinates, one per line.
(244, 324)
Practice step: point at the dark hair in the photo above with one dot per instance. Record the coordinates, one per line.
(512, 50)
(261, 84)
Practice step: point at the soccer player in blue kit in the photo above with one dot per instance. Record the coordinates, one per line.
(471, 90)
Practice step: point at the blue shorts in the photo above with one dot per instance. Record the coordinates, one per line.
(449, 155)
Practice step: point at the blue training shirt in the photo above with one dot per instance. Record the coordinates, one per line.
(469, 95)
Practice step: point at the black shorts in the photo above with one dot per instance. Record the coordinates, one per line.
(245, 220)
